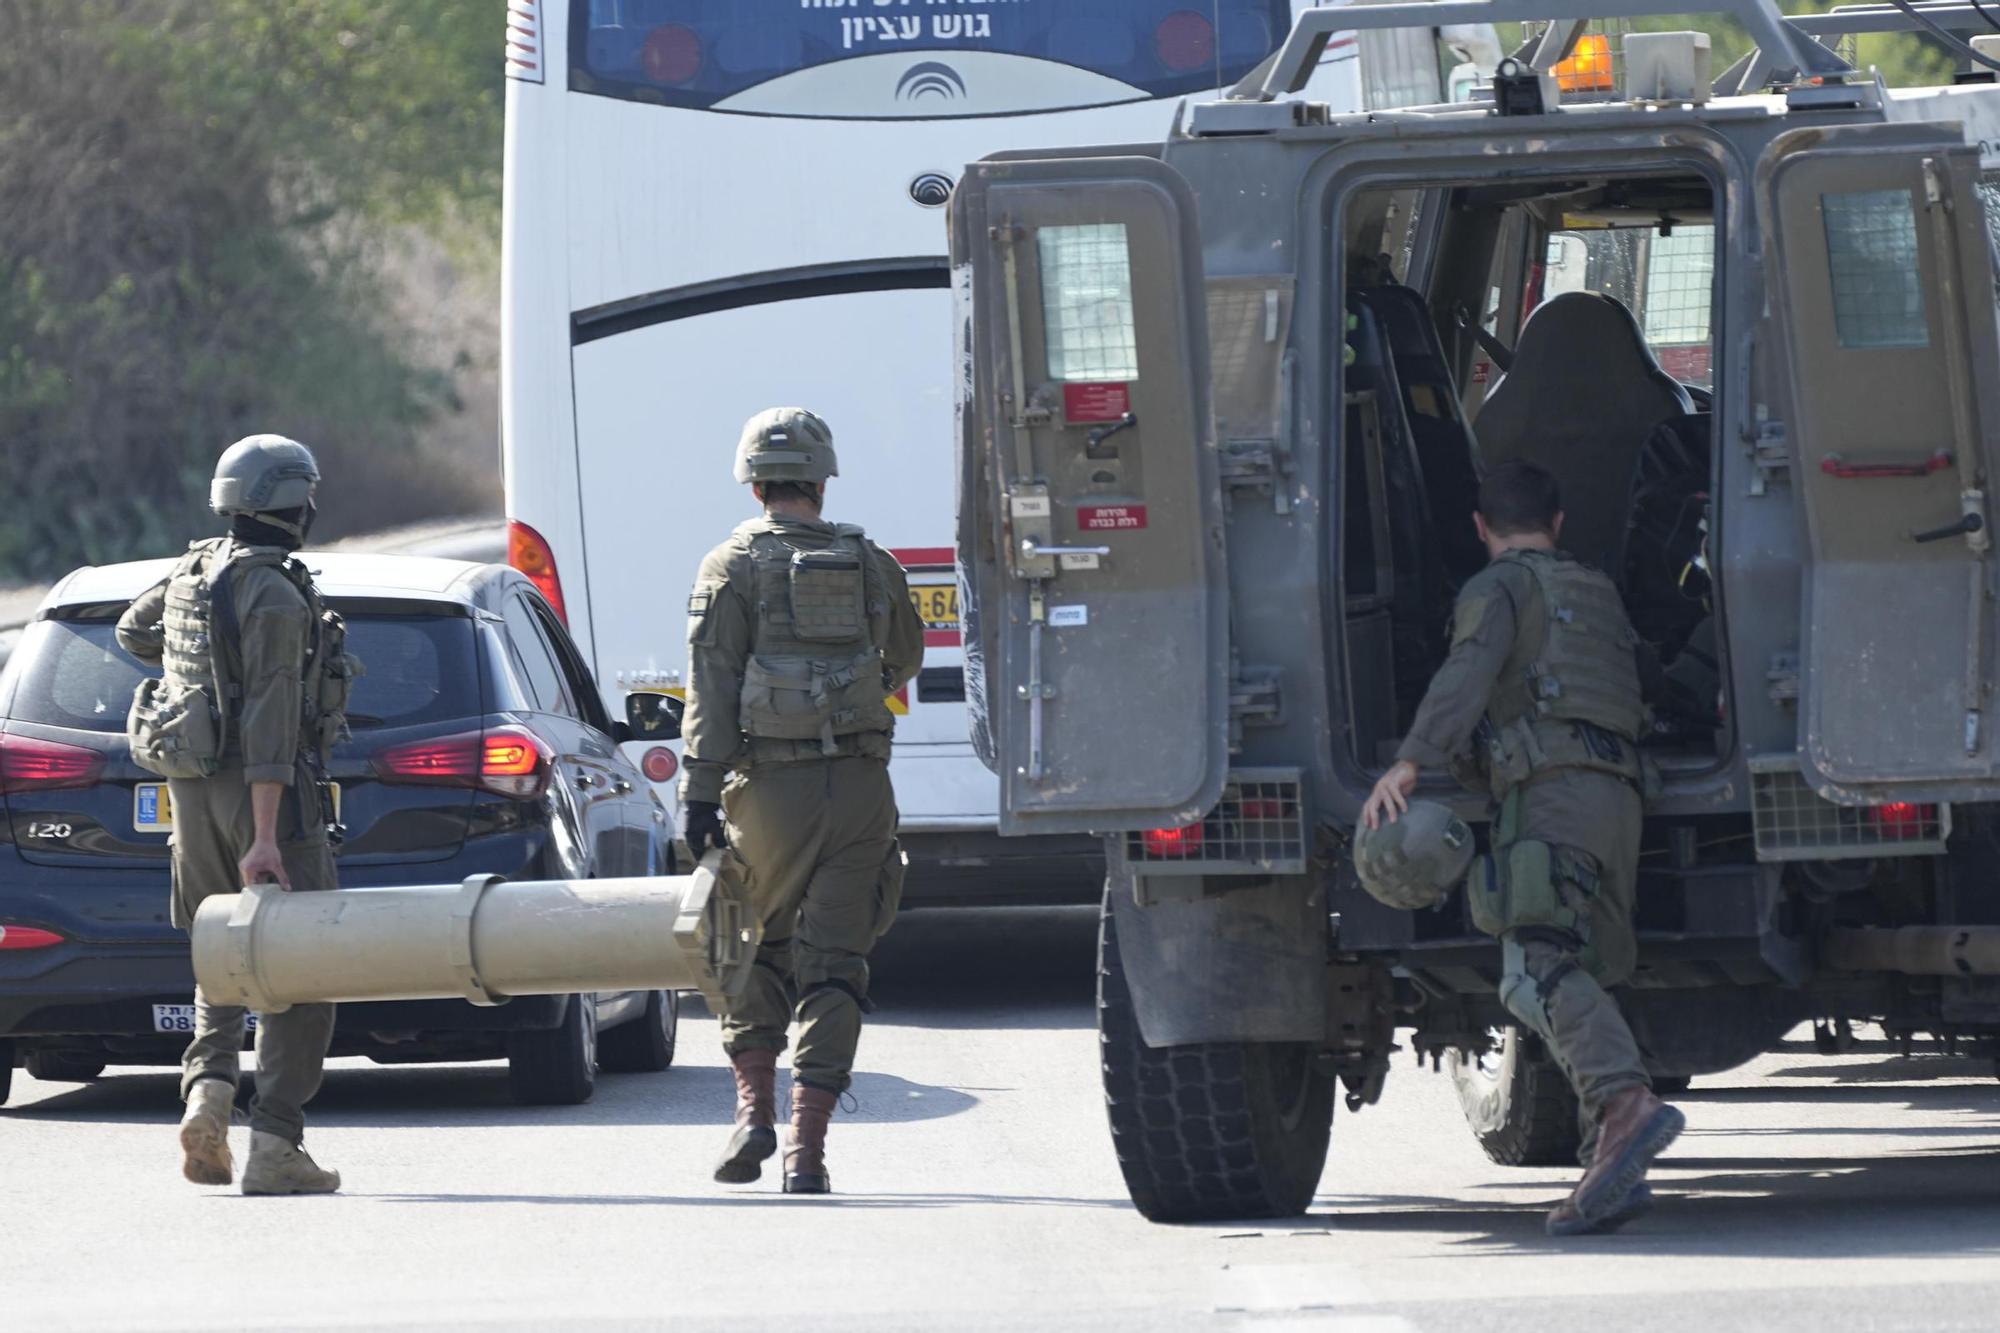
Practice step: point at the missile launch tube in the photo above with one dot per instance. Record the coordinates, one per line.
(484, 940)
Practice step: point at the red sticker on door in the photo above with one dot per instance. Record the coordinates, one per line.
(1096, 402)
(1110, 518)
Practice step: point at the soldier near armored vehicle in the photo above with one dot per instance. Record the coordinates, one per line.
(252, 697)
(1539, 703)
(798, 632)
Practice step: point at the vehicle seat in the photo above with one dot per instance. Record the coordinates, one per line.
(1422, 601)
(1581, 400)
(1436, 418)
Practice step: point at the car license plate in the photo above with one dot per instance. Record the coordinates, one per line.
(180, 1018)
(153, 812)
(937, 604)
(153, 808)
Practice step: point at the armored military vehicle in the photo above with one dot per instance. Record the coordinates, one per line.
(1226, 402)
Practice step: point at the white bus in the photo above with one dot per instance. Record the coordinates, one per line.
(716, 206)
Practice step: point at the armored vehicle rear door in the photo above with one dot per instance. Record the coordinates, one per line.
(1090, 529)
(1883, 284)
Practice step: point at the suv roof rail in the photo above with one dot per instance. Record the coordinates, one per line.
(1786, 44)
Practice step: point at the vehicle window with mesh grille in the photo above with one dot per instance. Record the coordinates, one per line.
(1665, 278)
(1087, 302)
(1989, 202)
(1871, 246)
(72, 674)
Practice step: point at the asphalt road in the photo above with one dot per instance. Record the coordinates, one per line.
(978, 1191)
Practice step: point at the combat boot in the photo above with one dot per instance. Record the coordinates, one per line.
(756, 1136)
(805, 1160)
(278, 1166)
(205, 1155)
(1636, 1128)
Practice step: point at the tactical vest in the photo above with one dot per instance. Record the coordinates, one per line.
(1577, 703)
(179, 724)
(815, 670)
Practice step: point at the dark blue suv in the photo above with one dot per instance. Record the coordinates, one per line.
(480, 745)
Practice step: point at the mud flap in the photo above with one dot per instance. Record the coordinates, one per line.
(1246, 965)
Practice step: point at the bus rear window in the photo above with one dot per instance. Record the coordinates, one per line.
(936, 58)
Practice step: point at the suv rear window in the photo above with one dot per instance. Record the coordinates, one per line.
(72, 673)
(419, 669)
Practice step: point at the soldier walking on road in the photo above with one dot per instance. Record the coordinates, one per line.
(254, 692)
(1540, 700)
(798, 631)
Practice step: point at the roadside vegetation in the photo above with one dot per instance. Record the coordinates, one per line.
(225, 216)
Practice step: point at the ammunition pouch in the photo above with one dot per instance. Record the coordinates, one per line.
(335, 671)
(829, 595)
(804, 698)
(175, 729)
(1532, 885)
(1527, 747)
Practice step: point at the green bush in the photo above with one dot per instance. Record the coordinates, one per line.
(189, 196)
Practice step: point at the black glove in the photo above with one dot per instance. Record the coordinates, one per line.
(701, 824)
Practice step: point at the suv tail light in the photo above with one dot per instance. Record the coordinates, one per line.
(510, 761)
(27, 937)
(28, 763)
(528, 552)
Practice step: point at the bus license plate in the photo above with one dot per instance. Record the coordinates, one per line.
(180, 1018)
(937, 605)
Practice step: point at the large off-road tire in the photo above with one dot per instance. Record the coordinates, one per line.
(6, 1070)
(1218, 1131)
(556, 1067)
(1517, 1102)
(646, 1044)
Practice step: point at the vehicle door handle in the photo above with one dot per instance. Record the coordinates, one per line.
(1030, 548)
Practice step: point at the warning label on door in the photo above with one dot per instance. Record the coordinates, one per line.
(1110, 518)
(1096, 402)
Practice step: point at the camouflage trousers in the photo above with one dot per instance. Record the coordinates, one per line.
(817, 840)
(213, 828)
(1554, 981)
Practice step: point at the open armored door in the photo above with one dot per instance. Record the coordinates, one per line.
(1090, 514)
(1884, 285)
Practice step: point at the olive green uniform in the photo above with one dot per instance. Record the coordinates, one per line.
(1568, 823)
(798, 630)
(214, 827)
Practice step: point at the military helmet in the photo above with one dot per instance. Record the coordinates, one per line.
(1413, 862)
(785, 444)
(262, 474)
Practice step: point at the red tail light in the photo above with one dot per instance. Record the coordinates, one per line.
(27, 937)
(671, 54)
(659, 764)
(527, 552)
(1185, 41)
(508, 760)
(28, 763)
(1173, 843)
(1904, 820)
